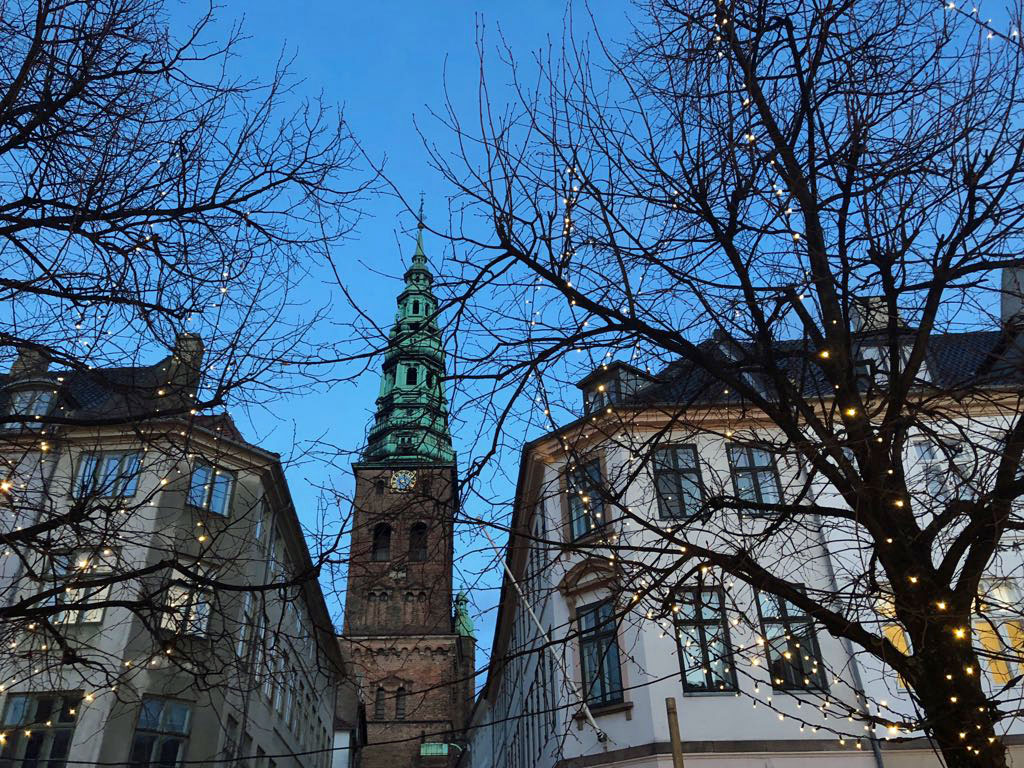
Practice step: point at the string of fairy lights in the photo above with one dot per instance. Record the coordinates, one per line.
(876, 715)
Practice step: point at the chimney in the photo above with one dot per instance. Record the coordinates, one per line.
(184, 365)
(31, 361)
(1011, 297)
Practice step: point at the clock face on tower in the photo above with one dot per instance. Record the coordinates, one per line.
(403, 481)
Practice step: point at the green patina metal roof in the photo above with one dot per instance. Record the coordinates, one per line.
(411, 423)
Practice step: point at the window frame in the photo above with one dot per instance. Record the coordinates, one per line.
(754, 470)
(401, 703)
(60, 573)
(677, 474)
(381, 554)
(949, 475)
(209, 488)
(69, 703)
(123, 486)
(162, 734)
(614, 694)
(36, 393)
(787, 623)
(580, 499)
(419, 533)
(701, 626)
(182, 620)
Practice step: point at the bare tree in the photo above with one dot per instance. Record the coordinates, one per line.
(151, 202)
(788, 205)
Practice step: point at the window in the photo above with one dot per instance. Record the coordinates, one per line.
(381, 547)
(39, 728)
(275, 554)
(410, 375)
(210, 488)
(944, 469)
(29, 402)
(999, 628)
(230, 737)
(75, 570)
(418, 542)
(108, 474)
(586, 506)
(161, 735)
(702, 632)
(380, 704)
(892, 630)
(877, 359)
(400, 703)
(599, 654)
(754, 475)
(415, 307)
(287, 708)
(280, 664)
(187, 610)
(247, 632)
(794, 660)
(606, 393)
(677, 481)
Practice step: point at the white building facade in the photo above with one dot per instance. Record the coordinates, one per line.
(176, 620)
(600, 614)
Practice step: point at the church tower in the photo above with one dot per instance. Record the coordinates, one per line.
(413, 656)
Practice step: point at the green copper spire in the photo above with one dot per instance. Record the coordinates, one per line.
(419, 233)
(412, 412)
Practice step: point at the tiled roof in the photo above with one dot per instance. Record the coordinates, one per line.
(955, 360)
(128, 395)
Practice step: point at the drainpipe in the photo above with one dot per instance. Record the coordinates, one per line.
(587, 714)
(876, 750)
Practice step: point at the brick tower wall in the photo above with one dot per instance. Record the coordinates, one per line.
(402, 595)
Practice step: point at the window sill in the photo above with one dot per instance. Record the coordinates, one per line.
(590, 538)
(605, 709)
(798, 689)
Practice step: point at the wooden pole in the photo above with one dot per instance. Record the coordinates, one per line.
(673, 732)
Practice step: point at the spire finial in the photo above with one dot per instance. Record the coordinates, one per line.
(419, 230)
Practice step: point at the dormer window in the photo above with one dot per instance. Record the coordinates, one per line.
(879, 364)
(603, 394)
(26, 403)
(611, 384)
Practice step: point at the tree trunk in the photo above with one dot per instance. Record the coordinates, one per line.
(959, 716)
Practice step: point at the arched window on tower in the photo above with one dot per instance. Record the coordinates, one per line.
(418, 542)
(400, 703)
(381, 550)
(380, 704)
(415, 307)
(410, 375)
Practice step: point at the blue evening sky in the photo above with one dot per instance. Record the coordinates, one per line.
(388, 63)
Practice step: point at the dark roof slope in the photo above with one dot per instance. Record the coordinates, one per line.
(955, 360)
(129, 395)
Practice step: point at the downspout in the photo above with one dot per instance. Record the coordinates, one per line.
(876, 750)
(601, 735)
